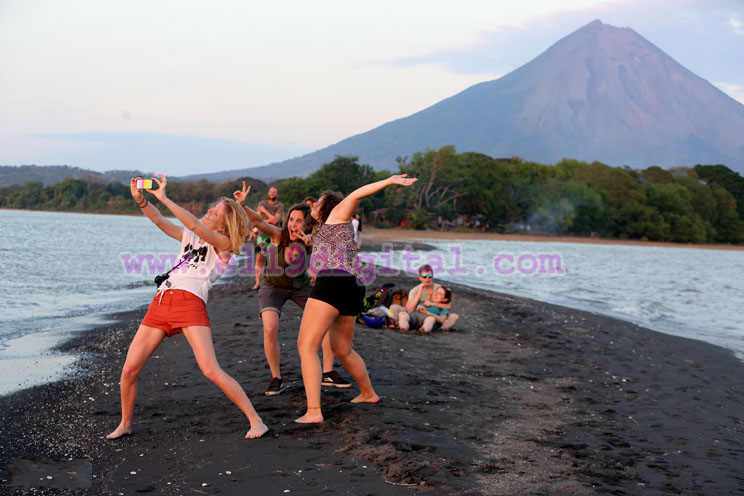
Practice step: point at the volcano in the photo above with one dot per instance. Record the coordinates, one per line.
(601, 93)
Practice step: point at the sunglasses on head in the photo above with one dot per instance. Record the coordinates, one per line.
(426, 276)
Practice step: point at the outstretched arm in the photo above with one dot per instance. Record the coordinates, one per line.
(152, 213)
(271, 231)
(220, 242)
(341, 213)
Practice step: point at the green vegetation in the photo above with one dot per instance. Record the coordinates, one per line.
(86, 195)
(700, 204)
(689, 205)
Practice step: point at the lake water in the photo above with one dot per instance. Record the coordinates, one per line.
(687, 292)
(61, 273)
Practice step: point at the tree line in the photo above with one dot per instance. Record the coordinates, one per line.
(699, 204)
(87, 194)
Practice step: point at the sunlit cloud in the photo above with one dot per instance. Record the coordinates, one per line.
(737, 25)
(735, 91)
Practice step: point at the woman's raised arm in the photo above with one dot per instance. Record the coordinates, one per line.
(271, 231)
(220, 242)
(152, 213)
(341, 213)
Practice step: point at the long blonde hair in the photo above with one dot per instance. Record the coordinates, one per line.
(236, 223)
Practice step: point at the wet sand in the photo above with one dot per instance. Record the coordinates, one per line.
(523, 398)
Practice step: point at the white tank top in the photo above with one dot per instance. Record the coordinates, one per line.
(198, 273)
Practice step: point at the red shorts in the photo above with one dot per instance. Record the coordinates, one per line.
(177, 309)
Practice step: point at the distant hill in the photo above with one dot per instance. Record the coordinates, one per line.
(52, 174)
(601, 93)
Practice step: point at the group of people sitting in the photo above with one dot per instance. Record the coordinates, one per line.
(425, 308)
(323, 231)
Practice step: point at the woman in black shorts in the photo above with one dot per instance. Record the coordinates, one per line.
(284, 277)
(336, 298)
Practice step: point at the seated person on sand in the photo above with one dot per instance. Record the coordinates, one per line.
(408, 317)
(435, 317)
(398, 300)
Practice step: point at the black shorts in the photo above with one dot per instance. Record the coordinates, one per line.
(340, 290)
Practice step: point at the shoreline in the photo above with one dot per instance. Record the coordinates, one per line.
(397, 234)
(527, 397)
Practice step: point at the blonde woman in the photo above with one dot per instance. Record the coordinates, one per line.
(179, 305)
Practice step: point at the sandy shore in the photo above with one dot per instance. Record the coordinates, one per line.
(525, 398)
(382, 235)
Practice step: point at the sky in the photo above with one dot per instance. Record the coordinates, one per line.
(185, 87)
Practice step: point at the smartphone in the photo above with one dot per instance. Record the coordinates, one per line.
(144, 183)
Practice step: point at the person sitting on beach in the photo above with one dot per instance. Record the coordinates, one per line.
(435, 316)
(286, 279)
(398, 300)
(336, 298)
(179, 305)
(408, 317)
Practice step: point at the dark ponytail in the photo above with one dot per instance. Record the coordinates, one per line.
(330, 199)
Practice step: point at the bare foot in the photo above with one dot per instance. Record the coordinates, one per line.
(312, 416)
(120, 431)
(257, 431)
(373, 398)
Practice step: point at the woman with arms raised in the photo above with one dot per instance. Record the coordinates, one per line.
(336, 298)
(285, 278)
(179, 306)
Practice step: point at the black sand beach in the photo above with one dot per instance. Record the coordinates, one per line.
(524, 398)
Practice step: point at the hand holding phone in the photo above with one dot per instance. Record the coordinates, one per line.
(144, 183)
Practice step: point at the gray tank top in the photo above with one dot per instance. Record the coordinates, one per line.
(334, 249)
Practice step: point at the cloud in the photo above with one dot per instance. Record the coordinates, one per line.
(737, 25)
(507, 46)
(486, 56)
(735, 91)
(689, 33)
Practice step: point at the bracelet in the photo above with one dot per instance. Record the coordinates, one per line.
(144, 204)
